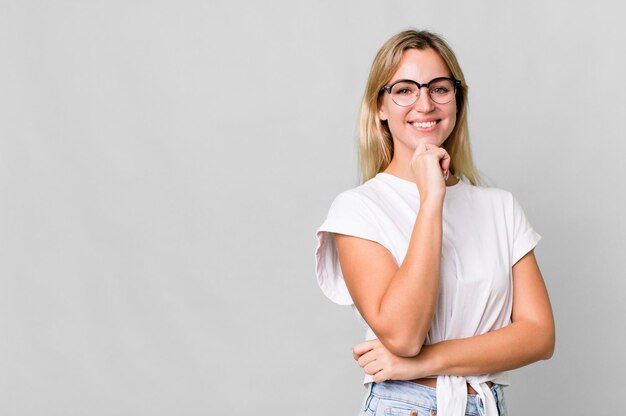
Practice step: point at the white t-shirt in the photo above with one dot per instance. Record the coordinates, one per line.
(485, 232)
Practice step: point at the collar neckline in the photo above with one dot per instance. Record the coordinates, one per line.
(388, 177)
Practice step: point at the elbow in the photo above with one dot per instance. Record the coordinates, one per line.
(549, 347)
(402, 347)
(401, 341)
(548, 344)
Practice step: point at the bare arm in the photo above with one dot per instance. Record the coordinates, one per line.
(398, 303)
(529, 338)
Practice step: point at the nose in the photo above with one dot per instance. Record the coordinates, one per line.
(424, 104)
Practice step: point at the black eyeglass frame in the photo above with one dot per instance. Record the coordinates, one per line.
(388, 88)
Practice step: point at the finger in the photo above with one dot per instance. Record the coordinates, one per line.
(421, 148)
(373, 368)
(381, 376)
(367, 358)
(375, 348)
(361, 348)
(375, 343)
(419, 151)
(445, 161)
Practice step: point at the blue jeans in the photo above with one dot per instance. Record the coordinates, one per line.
(401, 398)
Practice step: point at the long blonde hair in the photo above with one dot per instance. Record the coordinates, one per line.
(375, 141)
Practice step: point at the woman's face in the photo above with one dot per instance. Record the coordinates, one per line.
(425, 121)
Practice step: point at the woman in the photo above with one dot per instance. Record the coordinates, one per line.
(441, 271)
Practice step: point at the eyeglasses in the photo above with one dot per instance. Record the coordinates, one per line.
(405, 92)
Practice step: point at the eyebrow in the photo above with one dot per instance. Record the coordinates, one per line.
(420, 83)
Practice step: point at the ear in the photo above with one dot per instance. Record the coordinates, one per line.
(382, 114)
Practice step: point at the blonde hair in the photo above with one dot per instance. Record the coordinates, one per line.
(375, 140)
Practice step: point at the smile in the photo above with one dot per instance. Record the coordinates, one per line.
(424, 124)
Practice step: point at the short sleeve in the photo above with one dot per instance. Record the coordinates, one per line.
(348, 215)
(524, 236)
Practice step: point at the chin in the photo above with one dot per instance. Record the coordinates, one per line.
(433, 142)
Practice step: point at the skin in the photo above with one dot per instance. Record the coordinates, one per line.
(421, 66)
(529, 338)
(398, 301)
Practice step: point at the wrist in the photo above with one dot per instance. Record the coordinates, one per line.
(431, 205)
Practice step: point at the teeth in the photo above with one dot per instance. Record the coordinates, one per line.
(424, 124)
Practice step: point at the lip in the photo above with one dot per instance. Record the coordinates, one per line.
(427, 128)
(423, 120)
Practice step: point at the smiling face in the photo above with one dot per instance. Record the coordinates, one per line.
(424, 121)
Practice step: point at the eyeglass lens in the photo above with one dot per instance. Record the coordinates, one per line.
(406, 93)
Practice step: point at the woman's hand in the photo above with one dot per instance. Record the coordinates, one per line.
(377, 361)
(431, 166)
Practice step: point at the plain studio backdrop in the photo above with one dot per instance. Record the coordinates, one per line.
(164, 165)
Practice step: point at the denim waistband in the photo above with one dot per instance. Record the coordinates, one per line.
(414, 394)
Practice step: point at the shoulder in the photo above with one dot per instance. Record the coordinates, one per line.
(501, 198)
(488, 196)
(490, 204)
(353, 213)
(363, 197)
(358, 212)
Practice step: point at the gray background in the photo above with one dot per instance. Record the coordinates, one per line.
(163, 167)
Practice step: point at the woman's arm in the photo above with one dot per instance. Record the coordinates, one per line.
(529, 338)
(398, 303)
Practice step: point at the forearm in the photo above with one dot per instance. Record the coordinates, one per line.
(529, 338)
(514, 346)
(407, 306)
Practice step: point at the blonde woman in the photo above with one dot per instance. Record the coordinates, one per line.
(441, 271)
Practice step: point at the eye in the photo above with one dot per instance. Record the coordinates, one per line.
(439, 90)
(441, 87)
(403, 89)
